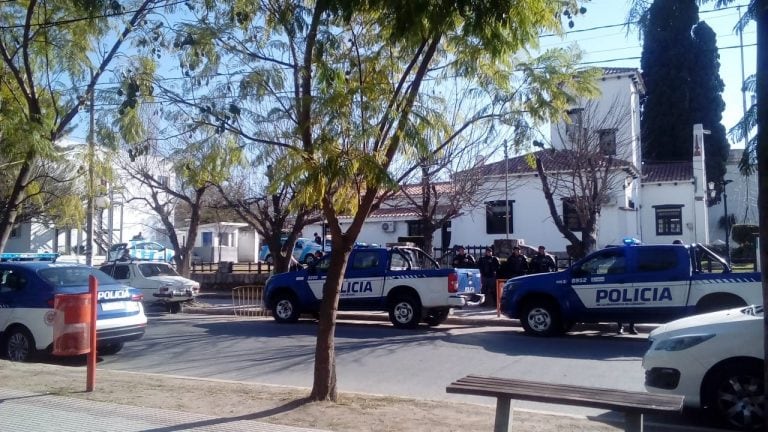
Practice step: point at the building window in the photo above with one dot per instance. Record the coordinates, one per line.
(575, 128)
(415, 228)
(571, 216)
(607, 141)
(225, 239)
(164, 180)
(495, 215)
(669, 220)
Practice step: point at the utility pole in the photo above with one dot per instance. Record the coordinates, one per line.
(90, 188)
(506, 188)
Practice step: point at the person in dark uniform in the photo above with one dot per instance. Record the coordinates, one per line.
(515, 265)
(489, 268)
(462, 259)
(630, 330)
(541, 262)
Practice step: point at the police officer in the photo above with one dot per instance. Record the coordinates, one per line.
(515, 265)
(489, 267)
(462, 260)
(541, 262)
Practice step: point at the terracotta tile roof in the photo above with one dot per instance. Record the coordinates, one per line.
(415, 189)
(393, 212)
(618, 70)
(632, 73)
(658, 172)
(561, 160)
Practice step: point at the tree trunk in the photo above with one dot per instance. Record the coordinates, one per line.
(11, 208)
(588, 241)
(324, 386)
(429, 238)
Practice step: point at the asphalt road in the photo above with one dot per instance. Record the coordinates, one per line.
(374, 357)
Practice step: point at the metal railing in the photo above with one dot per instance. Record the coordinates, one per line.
(248, 301)
(226, 266)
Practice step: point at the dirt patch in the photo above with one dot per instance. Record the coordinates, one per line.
(277, 404)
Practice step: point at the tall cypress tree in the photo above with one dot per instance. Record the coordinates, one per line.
(666, 63)
(681, 68)
(707, 103)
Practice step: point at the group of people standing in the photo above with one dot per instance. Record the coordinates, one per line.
(491, 268)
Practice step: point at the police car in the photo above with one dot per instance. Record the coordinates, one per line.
(27, 291)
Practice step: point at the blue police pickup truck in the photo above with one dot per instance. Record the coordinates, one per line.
(405, 281)
(628, 283)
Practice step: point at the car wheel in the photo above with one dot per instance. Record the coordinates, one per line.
(541, 318)
(19, 345)
(268, 260)
(174, 307)
(110, 349)
(285, 309)
(309, 259)
(405, 312)
(735, 395)
(436, 317)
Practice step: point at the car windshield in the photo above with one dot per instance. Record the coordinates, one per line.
(73, 276)
(156, 269)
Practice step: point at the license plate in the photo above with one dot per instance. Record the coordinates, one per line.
(115, 305)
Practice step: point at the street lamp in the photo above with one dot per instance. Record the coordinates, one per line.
(712, 192)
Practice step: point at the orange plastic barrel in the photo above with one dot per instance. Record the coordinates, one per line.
(71, 325)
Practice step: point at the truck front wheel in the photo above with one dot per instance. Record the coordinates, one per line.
(285, 309)
(405, 312)
(541, 318)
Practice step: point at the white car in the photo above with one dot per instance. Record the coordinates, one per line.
(157, 281)
(715, 360)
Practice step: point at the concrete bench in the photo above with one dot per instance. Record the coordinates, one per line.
(632, 404)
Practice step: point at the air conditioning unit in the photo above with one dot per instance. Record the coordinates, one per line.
(388, 226)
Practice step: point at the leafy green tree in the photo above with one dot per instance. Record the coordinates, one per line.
(667, 56)
(51, 61)
(681, 67)
(344, 90)
(707, 103)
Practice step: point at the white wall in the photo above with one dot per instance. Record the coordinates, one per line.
(742, 199)
(532, 223)
(670, 193)
(623, 88)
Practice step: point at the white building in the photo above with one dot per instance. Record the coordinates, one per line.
(120, 215)
(655, 203)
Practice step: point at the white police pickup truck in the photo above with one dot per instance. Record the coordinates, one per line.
(404, 281)
(629, 283)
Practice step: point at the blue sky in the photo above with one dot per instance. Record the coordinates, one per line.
(605, 42)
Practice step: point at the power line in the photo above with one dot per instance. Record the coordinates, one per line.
(88, 18)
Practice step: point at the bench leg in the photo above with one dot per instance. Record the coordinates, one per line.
(633, 422)
(503, 417)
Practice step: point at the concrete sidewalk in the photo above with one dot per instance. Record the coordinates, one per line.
(22, 411)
